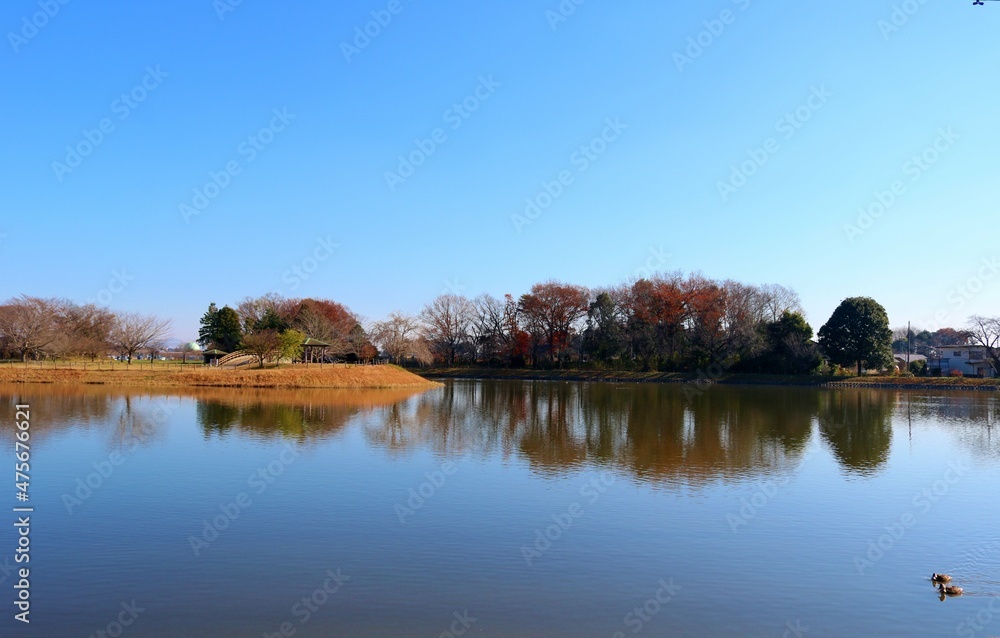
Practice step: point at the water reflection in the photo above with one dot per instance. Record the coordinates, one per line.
(139, 421)
(130, 419)
(857, 425)
(662, 434)
(657, 433)
(302, 415)
(652, 430)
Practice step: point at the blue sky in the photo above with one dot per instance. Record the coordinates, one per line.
(689, 159)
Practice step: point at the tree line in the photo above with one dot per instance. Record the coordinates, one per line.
(667, 322)
(37, 328)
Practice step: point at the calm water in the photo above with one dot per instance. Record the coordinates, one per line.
(509, 509)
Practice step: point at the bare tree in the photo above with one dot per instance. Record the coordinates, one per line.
(28, 325)
(133, 332)
(746, 309)
(252, 312)
(155, 347)
(985, 332)
(485, 331)
(778, 299)
(87, 327)
(398, 336)
(447, 321)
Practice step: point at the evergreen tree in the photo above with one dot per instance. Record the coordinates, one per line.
(220, 329)
(858, 333)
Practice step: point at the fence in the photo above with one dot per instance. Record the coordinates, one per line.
(103, 364)
(111, 365)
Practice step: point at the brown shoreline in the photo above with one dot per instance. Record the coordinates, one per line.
(327, 377)
(595, 376)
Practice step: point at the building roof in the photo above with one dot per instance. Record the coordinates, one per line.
(315, 342)
(214, 352)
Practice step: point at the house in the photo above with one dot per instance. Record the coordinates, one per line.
(901, 360)
(971, 361)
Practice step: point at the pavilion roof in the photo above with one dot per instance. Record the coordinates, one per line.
(315, 342)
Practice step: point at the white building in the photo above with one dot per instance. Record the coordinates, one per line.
(972, 361)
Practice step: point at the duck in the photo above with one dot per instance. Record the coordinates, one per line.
(950, 590)
(940, 578)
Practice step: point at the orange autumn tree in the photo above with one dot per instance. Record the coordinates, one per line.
(658, 309)
(330, 322)
(707, 302)
(551, 309)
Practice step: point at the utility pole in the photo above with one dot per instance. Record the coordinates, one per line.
(909, 340)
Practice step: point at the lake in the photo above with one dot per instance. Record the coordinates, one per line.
(507, 509)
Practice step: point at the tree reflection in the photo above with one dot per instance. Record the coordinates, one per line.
(295, 414)
(138, 422)
(661, 433)
(857, 424)
(652, 430)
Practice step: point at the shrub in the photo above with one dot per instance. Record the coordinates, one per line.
(918, 368)
(956, 373)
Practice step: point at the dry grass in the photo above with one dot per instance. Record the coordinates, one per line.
(725, 379)
(384, 376)
(925, 382)
(327, 397)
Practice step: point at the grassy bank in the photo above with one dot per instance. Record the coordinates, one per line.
(291, 377)
(612, 376)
